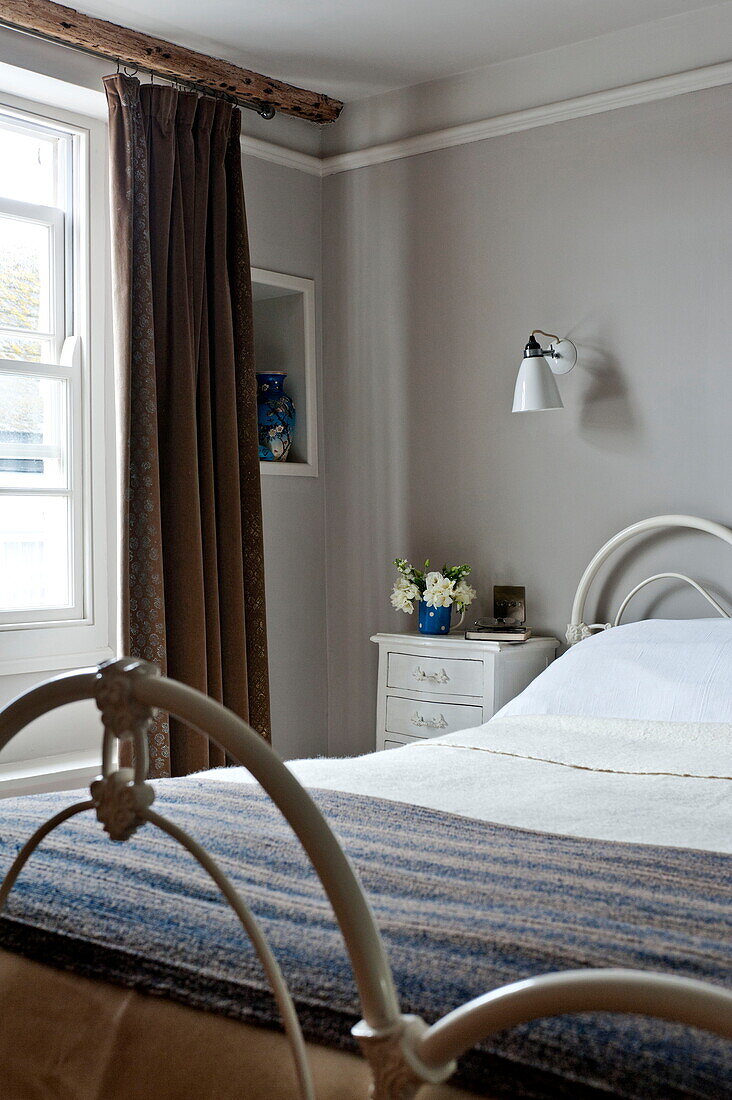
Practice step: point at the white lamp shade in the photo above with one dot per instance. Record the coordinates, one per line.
(536, 388)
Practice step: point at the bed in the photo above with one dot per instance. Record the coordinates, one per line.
(538, 907)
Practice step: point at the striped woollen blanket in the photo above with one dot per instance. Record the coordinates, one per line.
(463, 906)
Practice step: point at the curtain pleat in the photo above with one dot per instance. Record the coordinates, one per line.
(239, 267)
(194, 584)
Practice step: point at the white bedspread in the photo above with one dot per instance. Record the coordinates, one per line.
(612, 779)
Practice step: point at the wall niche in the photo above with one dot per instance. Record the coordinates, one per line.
(284, 340)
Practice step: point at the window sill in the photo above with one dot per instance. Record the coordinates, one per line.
(19, 666)
(66, 772)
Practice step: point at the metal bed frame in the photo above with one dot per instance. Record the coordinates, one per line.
(578, 630)
(403, 1051)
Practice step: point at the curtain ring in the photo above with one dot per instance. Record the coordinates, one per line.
(130, 70)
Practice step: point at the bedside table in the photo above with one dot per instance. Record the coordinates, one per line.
(429, 686)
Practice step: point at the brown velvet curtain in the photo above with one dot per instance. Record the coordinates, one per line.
(192, 563)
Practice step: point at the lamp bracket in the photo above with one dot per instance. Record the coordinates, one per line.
(562, 356)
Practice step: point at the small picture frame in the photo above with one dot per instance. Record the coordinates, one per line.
(509, 603)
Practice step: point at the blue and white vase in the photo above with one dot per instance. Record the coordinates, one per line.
(275, 416)
(436, 620)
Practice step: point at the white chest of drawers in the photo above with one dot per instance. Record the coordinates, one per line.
(432, 686)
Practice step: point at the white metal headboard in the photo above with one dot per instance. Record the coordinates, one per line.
(578, 630)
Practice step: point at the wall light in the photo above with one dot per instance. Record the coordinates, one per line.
(536, 389)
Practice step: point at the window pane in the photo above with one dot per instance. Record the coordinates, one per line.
(28, 166)
(34, 553)
(26, 349)
(33, 431)
(25, 275)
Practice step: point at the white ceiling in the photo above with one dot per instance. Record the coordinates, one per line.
(358, 48)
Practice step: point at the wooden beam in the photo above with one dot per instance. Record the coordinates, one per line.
(155, 55)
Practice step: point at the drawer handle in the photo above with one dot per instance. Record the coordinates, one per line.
(440, 677)
(438, 723)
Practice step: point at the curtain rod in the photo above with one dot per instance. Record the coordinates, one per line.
(264, 110)
(64, 26)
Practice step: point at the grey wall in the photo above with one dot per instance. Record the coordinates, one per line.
(614, 229)
(283, 212)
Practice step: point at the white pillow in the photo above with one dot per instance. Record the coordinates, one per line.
(661, 669)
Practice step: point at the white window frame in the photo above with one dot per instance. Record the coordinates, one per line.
(85, 633)
(67, 368)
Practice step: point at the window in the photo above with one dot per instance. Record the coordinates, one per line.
(58, 498)
(42, 496)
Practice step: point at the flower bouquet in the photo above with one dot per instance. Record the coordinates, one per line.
(436, 592)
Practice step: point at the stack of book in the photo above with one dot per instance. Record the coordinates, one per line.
(483, 631)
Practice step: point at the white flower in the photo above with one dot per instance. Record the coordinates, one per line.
(436, 589)
(438, 597)
(440, 592)
(403, 594)
(400, 602)
(464, 594)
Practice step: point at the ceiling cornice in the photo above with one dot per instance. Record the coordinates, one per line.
(711, 76)
(280, 154)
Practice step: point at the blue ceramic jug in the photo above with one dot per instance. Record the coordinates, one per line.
(436, 620)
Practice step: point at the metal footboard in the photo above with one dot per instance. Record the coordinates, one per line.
(403, 1051)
